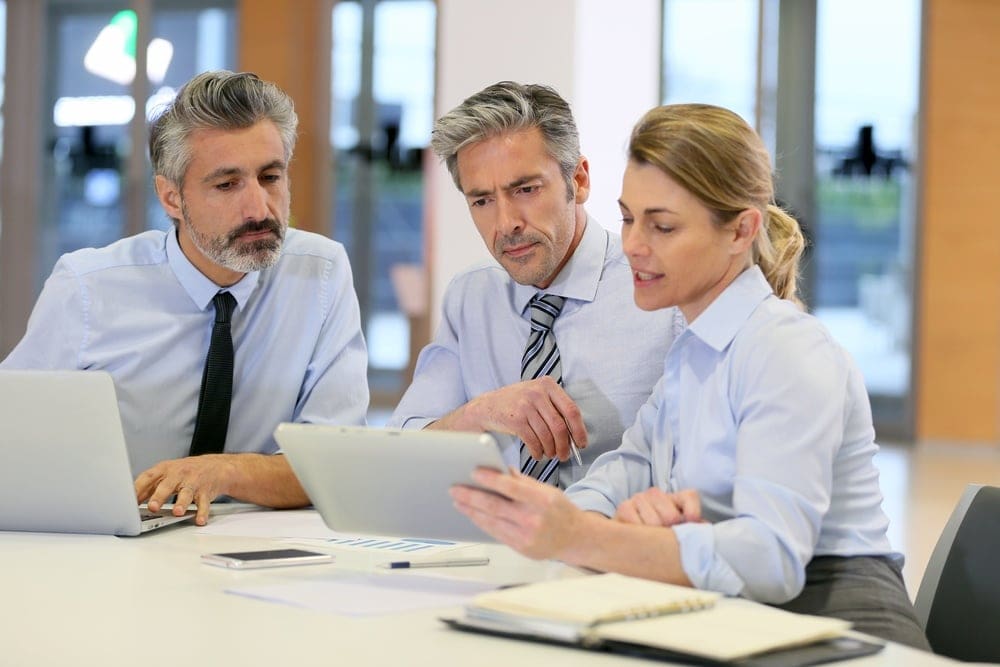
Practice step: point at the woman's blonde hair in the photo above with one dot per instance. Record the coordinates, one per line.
(717, 157)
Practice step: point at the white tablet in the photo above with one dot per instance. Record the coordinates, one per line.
(390, 482)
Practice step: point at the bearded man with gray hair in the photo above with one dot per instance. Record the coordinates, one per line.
(148, 309)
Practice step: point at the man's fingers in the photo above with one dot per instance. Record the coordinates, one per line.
(185, 495)
(146, 482)
(572, 418)
(143, 489)
(556, 424)
(204, 501)
(164, 489)
(542, 444)
(550, 408)
(539, 412)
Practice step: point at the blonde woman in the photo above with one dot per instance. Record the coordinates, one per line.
(749, 471)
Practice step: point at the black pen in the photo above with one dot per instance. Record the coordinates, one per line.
(454, 562)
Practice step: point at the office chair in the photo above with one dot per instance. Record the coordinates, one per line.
(958, 602)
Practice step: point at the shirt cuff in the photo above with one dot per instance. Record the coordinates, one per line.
(700, 562)
(590, 500)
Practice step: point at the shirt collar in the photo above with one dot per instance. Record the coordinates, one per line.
(718, 324)
(581, 275)
(197, 285)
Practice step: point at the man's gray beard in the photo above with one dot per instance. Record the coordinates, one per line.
(242, 259)
(255, 257)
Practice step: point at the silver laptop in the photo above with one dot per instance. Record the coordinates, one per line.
(387, 481)
(63, 462)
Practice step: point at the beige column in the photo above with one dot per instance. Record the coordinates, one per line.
(289, 43)
(20, 174)
(958, 316)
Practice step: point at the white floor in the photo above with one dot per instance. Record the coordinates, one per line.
(921, 484)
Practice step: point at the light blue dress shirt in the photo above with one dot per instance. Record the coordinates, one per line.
(767, 417)
(141, 311)
(608, 367)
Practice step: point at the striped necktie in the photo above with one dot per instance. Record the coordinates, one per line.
(541, 357)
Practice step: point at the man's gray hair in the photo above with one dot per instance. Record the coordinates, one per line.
(220, 100)
(508, 107)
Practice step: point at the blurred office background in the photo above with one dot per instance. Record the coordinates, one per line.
(880, 116)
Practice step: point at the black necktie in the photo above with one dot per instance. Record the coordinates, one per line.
(216, 383)
(541, 357)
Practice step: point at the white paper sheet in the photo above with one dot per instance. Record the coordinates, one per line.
(390, 546)
(367, 594)
(269, 523)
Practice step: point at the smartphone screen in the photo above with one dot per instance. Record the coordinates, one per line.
(266, 558)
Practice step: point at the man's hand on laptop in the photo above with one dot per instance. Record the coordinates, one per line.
(195, 479)
(538, 411)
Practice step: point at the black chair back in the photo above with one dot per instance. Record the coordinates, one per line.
(959, 597)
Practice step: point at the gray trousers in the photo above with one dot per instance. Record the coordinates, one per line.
(866, 590)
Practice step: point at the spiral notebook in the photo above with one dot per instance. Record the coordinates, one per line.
(568, 608)
(615, 613)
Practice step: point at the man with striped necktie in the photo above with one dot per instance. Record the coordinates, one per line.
(532, 345)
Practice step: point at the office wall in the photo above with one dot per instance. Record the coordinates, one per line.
(602, 59)
(21, 171)
(281, 46)
(958, 317)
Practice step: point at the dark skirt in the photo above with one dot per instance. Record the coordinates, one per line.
(866, 590)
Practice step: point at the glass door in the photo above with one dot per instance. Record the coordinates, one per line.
(711, 61)
(86, 143)
(383, 90)
(94, 138)
(853, 192)
(867, 81)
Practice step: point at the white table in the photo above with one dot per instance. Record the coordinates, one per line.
(148, 601)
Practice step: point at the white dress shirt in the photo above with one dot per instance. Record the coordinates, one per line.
(141, 311)
(767, 417)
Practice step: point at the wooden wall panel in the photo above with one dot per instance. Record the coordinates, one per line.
(958, 326)
(289, 43)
